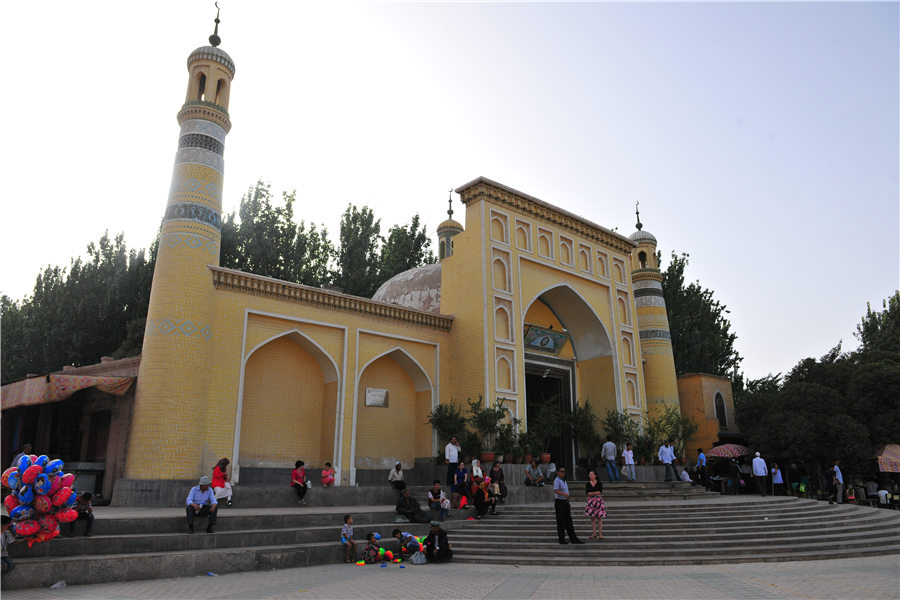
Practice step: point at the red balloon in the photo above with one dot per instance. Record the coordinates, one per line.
(62, 496)
(55, 485)
(67, 516)
(11, 502)
(31, 472)
(42, 504)
(4, 479)
(67, 480)
(47, 522)
(27, 527)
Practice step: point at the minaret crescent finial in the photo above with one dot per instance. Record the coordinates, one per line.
(450, 202)
(638, 213)
(214, 39)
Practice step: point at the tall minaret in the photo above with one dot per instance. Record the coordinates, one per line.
(446, 231)
(169, 403)
(660, 382)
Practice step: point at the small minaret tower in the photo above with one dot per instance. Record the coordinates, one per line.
(169, 403)
(660, 381)
(447, 230)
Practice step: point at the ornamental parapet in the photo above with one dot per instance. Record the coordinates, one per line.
(485, 189)
(644, 274)
(201, 109)
(258, 285)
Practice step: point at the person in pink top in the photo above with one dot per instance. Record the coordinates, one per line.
(327, 476)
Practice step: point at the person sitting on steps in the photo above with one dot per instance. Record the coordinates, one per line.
(533, 474)
(201, 501)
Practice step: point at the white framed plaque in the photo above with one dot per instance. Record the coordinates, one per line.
(377, 397)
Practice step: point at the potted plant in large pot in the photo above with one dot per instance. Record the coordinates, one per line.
(486, 421)
(447, 420)
(546, 425)
(506, 441)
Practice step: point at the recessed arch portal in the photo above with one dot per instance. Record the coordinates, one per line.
(287, 404)
(397, 430)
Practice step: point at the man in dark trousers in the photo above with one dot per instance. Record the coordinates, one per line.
(437, 548)
(563, 510)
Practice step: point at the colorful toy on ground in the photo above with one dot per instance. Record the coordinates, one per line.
(41, 497)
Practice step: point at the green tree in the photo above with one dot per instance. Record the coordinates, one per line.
(312, 258)
(881, 330)
(702, 341)
(358, 260)
(406, 247)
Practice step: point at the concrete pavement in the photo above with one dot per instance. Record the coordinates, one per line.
(855, 578)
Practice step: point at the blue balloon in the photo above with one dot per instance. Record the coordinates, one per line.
(72, 498)
(25, 494)
(23, 463)
(54, 467)
(14, 480)
(42, 460)
(21, 512)
(42, 484)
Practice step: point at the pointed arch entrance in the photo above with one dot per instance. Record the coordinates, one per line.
(287, 405)
(582, 369)
(393, 401)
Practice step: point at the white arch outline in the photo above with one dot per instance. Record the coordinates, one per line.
(407, 359)
(240, 401)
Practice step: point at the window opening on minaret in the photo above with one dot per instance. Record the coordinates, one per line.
(443, 252)
(201, 89)
(642, 257)
(221, 93)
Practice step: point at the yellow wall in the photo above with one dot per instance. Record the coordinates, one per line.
(284, 393)
(697, 395)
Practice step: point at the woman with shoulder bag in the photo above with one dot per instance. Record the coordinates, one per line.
(299, 481)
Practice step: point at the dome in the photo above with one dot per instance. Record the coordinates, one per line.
(643, 237)
(450, 225)
(418, 288)
(214, 54)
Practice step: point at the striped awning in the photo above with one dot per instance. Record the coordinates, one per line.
(53, 388)
(889, 459)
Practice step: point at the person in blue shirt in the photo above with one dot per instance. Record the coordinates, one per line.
(201, 501)
(563, 509)
(700, 467)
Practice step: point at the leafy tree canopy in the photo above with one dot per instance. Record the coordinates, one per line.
(702, 341)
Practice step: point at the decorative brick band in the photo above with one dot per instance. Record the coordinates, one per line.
(171, 327)
(257, 285)
(207, 111)
(642, 293)
(193, 212)
(198, 140)
(649, 301)
(655, 334)
(192, 241)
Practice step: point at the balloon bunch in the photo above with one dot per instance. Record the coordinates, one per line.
(42, 497)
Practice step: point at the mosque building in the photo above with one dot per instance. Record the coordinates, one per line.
(528, 304)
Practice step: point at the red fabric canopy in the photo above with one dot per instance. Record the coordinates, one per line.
(53, 388)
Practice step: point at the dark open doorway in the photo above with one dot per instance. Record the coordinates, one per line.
(551, 384)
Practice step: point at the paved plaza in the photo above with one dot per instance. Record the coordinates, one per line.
(855, 578)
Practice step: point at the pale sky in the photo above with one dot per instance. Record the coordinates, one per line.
(761, 138)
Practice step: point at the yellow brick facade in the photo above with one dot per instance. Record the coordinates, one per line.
(268, 372)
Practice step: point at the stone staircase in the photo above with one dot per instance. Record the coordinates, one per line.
(159, 547)
(724, 529)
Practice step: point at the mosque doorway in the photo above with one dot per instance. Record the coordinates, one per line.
(548, 390)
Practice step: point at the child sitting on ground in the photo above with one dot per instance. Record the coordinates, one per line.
(370, 554)
(347, 539)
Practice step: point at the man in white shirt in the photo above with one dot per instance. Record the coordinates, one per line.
(451, 457)
(628, 457)
(608, 452)
(666, 456)
(760, 471)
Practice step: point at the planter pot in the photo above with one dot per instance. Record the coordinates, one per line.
(545, 458)
(487, 457)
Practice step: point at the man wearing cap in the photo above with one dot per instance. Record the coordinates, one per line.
(760, 471)
(201, 501)
(437, 548)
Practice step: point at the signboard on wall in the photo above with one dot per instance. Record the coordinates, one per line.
(376, 397)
